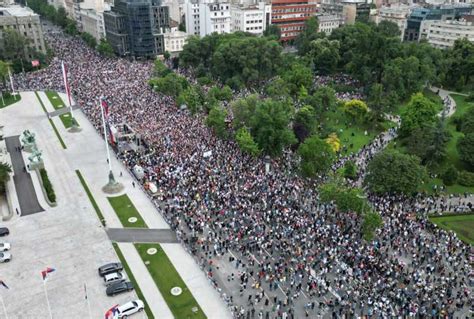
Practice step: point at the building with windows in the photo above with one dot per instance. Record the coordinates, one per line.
(134, 27)
(327, 23)
(175, 40)
(24, 21)
(442, 12)
(251, 18)
(395, 14)
(443, 34)
(290, 16)
(204, 17)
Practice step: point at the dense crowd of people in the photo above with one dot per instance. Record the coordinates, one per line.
(263, 239)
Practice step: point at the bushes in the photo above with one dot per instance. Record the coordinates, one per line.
(450, 176)
(47, 186)
(466, 179)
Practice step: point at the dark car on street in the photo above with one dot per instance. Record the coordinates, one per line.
(118, 288)
(110, 268)
(4, 231)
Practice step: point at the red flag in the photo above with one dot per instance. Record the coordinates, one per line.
(45, 272)
(111, 312)
(35, 63)
(106, 108)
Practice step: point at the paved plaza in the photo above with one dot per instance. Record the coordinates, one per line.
(71, 239)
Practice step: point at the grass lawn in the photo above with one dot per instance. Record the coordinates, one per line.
(427, 93)
(462, 225)
(149, 314)
(51, 122)
(91, 198)
(9, 100)
(58, 103)
(166, 277)
(125, 209)
(350, 132)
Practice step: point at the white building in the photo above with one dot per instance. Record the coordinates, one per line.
(443, 33)
(89, 16)
(253, 18)
(175, 40)
(395, 14)
(327, 23)
(214, 17)
(24, 21)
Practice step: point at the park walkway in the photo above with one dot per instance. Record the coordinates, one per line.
(142, 235)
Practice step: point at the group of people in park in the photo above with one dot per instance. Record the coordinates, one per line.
(263, 238)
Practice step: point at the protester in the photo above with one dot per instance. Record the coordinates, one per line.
(264, 240)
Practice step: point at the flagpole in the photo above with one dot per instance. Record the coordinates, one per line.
(88, 303)
(105, 136)
(66, 86)
(4, 308)
(11, 82)
(47, 299)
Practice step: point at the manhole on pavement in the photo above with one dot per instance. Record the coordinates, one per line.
(176, 291)
(151, 251)
(132, 220)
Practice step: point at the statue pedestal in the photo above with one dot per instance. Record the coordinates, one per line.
(75, 127)
(112, 187)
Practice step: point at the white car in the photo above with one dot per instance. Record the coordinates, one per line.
(130, 308)
(5, 257)
(4, 246)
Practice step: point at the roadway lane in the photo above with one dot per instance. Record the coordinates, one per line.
(23, 183)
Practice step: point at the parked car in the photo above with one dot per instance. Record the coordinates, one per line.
(113, 278)
(4, 246)
(4, 231)
(130, 308)
(118, 288)
(5, 257)
(110, 268)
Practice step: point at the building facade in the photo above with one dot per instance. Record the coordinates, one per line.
(290, 16)
(24, 21)
(174, 40)
(135, 27)
(251, 18)
(395, 14)
(327, 23)
(443, 34)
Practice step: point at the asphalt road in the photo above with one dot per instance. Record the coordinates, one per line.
(24, 185)
(141, 235)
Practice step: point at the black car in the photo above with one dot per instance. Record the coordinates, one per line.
(4, 231)
(118, 288)
(110, 268)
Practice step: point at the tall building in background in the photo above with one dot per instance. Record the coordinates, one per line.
(134, 27)
(290, 16)
(26, 22)
(442, 34)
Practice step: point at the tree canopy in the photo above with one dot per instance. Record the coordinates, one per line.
(316, 156)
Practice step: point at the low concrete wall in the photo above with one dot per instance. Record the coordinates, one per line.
(37, 170)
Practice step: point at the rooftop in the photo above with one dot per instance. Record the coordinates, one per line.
(16, 11)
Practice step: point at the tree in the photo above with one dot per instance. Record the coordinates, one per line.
(3, 70)
(191, 98)
(388, 28)
(246, 142)
(243, 110)
(71, 28)
(298, 76)
(316, 156)
(309, 33)
(269, 126)
(436, 151)
(216, 121)
(278, 88)
(465, 148)
(376, 101)
(323, 99)
(172, 84)
(160, 69)
(304, 123)
(334, 142)
(105, 48)
(450, 175)
(356, 108)
(420, 112)
(15, 45)
(272, 31)
(89, 39)
(391, 172)
(460, 64)
(345, 198)
(5, 171)
(350, 170)
(324, 55)
(371, 222)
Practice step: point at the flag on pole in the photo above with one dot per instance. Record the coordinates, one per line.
(111, 312)
(105, 106)
(3, 284)
(45, 272)
(66, 83)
